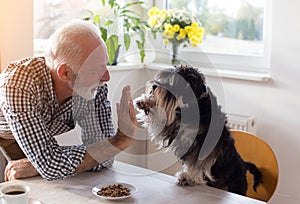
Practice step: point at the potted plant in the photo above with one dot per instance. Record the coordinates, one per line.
(124, 18)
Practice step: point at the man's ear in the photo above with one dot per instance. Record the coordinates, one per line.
(64, 72)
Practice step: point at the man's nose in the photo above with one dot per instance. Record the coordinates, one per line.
(106, 75)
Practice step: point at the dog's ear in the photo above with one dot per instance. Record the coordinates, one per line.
(194, 80)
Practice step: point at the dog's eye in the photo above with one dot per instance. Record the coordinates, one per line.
(154, 87)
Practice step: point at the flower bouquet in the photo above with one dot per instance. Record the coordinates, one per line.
(178, 27)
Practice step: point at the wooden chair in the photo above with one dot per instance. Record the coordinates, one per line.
(257, 151)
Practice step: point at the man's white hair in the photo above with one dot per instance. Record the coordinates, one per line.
(63, 46)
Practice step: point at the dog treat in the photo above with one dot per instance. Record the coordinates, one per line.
(115, 190)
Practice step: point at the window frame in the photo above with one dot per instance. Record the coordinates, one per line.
(245, 67)
(228, 61)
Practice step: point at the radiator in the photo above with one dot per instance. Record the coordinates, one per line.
(241, 122)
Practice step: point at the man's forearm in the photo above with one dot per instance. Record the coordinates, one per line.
(103, 150)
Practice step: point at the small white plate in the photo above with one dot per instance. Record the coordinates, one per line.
(34, 201)
(131, 187)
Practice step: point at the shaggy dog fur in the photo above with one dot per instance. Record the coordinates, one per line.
(182, 114)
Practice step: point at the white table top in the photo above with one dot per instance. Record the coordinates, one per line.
(152, 187)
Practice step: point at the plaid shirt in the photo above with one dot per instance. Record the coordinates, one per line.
(30, 112)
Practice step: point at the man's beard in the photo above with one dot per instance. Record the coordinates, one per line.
(88, 93)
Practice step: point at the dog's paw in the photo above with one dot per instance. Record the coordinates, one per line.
(145, 102)
(185, 180)
(143, 105)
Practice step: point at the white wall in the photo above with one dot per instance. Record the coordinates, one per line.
(276, 103)
(16, 30)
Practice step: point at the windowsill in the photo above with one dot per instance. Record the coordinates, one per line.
(222, 73)
(125, 66)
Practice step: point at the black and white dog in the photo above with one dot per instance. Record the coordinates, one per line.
(181, 113)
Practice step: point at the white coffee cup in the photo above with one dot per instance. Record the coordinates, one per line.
(14, 194)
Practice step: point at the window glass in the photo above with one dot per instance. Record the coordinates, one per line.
(231, 26)
(50, 14)
(237, 32)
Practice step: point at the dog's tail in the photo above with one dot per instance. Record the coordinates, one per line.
(256, 173)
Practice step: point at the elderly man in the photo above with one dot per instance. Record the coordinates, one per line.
(45, 96)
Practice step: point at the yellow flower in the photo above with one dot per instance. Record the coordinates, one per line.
(162, 20)
(176, 28)
(154, 11)
(187, 29)
(166, 41)
(180, 37)
(163, 14)
(198, 35)
(194, 45)
(168, 27)
(195, 25)
(201, 30)
(182, 32)
(168, 34)
(194, 40)
(153, 21)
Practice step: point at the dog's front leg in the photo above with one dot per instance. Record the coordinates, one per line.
(184, 179)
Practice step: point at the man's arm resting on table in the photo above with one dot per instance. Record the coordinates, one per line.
(95, 153)
(101, 151)
(21, 168)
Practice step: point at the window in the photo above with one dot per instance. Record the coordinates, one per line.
(232, 26)
(237, 33)
(50, 14)
(237, 36)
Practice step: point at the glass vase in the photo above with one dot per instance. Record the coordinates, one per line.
(175, 54)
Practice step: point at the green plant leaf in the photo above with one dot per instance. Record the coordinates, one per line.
(86, 18)
(142, 50)
(132, 4)
(127, 41)
(112, 3)
(126, 11)
(115, 40)
(132, 23)
(112, 46)
(96, 19)
(103, 33)
(108, 22)
(154, 34)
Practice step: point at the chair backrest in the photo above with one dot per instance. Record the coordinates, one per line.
(3, 163)
(253, 149)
